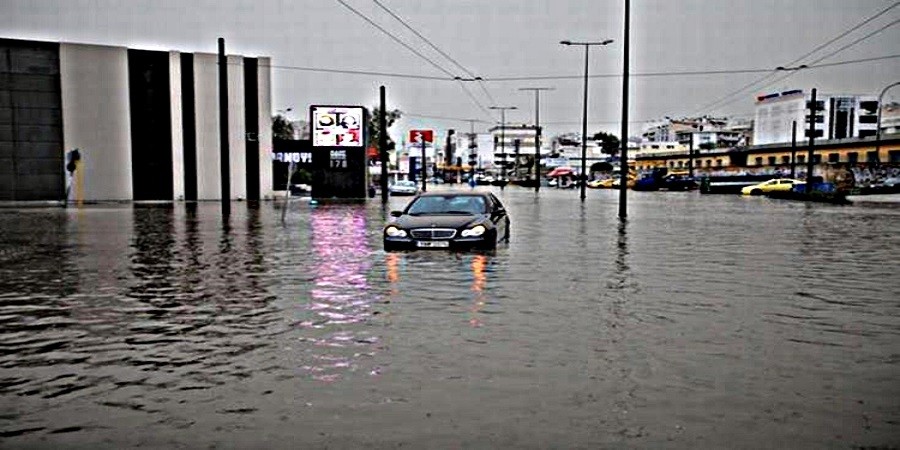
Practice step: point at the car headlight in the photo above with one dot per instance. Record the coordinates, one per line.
(393, 231)
(475, 231)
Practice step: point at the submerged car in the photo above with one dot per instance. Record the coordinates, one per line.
(453, 220)
(776, 185)
(404, 187)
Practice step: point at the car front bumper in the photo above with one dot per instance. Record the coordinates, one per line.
(461, 243)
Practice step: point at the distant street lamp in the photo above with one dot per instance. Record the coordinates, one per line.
(537, 133)
(587, 46)
(502, 110)
(878, 122)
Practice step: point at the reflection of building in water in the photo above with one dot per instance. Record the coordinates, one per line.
(340, 296)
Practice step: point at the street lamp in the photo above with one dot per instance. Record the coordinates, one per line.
(537, 133)
(587, 46)
(878, 121)
(502, 110)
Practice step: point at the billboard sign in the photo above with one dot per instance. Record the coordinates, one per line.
(338, 126)
(421, 136)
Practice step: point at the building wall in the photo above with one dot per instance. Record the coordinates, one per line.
(774, 119)
(31, 152)
(266, 190)
(237, 130)
(150, 99)
(146, 123)
(206, 115)
(177, 125)
(96, 117)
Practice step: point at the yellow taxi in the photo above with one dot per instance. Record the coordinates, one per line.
(776, 185)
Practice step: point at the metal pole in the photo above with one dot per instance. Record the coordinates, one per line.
(794, 150)
(423, 169)
(812, 142)
(691, 157)
(537, 141)
(224, 147)
(584, 126)
(878, 121)
(517, 144)
(382, 146)
(537, 133)
(623, 197)
(503, 140)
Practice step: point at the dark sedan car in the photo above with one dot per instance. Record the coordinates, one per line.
(448, 220)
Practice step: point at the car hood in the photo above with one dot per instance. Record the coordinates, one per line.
(438, 221)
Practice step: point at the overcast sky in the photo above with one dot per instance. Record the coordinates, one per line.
(497, 39)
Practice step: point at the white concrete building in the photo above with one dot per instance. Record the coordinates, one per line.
(838, 116)
(145, 123)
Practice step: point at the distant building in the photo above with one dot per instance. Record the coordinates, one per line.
(510, 140)
(890, 119)
(653, 149)
(837, 116)
(680, 129)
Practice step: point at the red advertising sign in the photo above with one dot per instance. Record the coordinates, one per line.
(420, 136)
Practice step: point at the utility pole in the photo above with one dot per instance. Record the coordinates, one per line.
(812, 142)
(224, 144)
(587, 46)
(424, 168)
(793, 149)
(691, 156)
(382, 146)
(623, 168)
(503, 132)
(537, 133)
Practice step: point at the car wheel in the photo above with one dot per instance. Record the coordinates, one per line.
(756, 192)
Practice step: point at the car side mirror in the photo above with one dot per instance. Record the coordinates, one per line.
(396, 213)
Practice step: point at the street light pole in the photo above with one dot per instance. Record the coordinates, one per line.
(537, 133)
(503, 131)
(623, 157)
(586, 46)
(878, 121)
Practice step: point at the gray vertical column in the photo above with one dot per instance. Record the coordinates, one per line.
(224, 147)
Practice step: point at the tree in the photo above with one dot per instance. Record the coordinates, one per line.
(609, 143)
(282, 128)
(374, 130)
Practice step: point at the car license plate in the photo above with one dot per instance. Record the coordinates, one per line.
(440, 244)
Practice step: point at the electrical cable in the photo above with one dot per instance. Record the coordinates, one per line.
(395, 39)
(819, 47)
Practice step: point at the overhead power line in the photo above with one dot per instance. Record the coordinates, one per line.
(361, 72)
(423, 38)
(395, 38)
(441, 52)
(557, 77)
(728, 98)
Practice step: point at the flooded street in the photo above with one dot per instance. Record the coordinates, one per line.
(704, 321)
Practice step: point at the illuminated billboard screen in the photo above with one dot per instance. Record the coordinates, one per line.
(338, 126)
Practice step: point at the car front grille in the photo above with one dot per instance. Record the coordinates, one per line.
(433, 233)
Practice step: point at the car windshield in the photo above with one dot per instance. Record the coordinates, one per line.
(405, 184)
(456, 204)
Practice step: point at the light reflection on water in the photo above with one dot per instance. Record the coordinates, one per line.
(699, 322)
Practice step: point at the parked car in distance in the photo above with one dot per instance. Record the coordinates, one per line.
(404, 187)
(448, 220)
(776, 185)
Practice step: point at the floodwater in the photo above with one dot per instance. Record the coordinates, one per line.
(704, 321)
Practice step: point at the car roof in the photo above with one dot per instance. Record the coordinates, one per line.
(453, 194)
